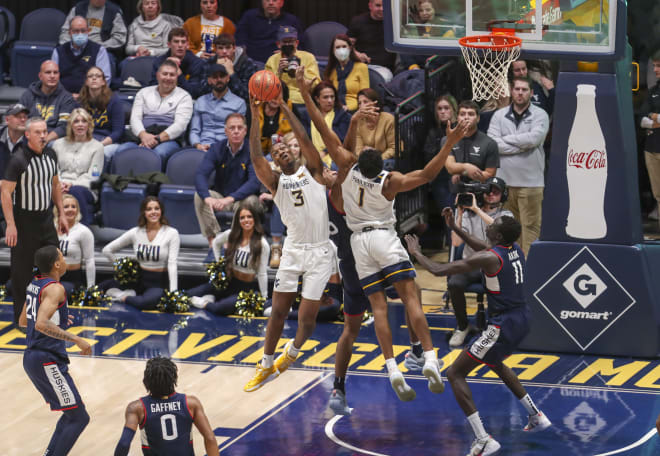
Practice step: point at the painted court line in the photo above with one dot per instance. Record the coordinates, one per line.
(331, 435)
(641, 441)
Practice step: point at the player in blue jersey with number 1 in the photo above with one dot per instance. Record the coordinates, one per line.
(502, 263)
(165, 417)
(45, 359)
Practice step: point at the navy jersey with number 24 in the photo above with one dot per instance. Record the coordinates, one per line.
(166, 426)
(505, 287)
(35, 339)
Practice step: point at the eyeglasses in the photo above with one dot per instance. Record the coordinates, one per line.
(96, 76)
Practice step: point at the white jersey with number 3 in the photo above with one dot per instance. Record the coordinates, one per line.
(364, 203)
(303, 206)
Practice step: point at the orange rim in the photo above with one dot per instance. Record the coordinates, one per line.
(497, 41)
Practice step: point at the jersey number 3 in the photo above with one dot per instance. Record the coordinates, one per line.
(298, 194)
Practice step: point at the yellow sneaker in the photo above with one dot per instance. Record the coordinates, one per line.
(285, 360)
(263, 376)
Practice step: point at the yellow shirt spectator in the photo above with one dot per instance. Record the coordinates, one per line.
(311, 72)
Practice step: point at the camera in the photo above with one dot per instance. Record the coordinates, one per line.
(294, 63)
(464, 198)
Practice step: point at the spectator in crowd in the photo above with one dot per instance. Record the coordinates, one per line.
(80, 160)
(77, 247)
(325, 98)
(272, 121)
(475, 157)
(543, 89)
(235, 179)
(147, 34)
(49, 100)
(106, 109)
(190, 69)
(202, 30)
(473, 219)
(105, 20)
(258, 29)
(368, 36)
(161, 113)
(285, 62)
(12, 133)
(211, 110)
(489, 108)
(246, 256)
(422, 22)
(346, 72)
(375, 128)
(155, 245)
(78, 55)
(239, 66)
(651, 124)
(519, 132)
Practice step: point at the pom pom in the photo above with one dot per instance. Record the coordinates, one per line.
(127, 271)
(250, 304)
(174, 302)
(91, 297)
(217, 275)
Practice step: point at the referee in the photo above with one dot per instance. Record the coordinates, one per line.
(31, 177)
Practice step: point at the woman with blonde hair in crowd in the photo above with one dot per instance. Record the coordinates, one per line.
(80, 161)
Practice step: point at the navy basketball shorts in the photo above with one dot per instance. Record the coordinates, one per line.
(51, 378)
(501, 337)
(355, 301)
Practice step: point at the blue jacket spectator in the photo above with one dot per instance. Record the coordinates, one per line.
(258, 28)
(211, 110)
(237, 63)
(191, 67)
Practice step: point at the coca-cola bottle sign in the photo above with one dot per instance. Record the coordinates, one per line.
(595, 159)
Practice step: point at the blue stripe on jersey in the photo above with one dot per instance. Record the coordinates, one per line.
(505, 288)
(167, 425)
(36, 339)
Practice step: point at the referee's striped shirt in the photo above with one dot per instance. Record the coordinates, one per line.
(33, 174)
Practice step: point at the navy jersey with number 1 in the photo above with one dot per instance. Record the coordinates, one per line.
(166, 426)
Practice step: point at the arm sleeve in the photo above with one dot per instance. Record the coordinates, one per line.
(204, 170)
(66, 106)
(124, 443)
(494, 132)
(14, 169)
(116, 121)
(103, 62)
(218, 242)
(173, 258)
(118, 36)
(137, 112)
(87, 178)
(262, 272)
(131, 45)
(242, 30)
(359, 142)
(363, 76)
(122, 241)
(532, 138)
(492, 155)
(87, 249)
(389, 136)
(193, 82)
(195, 124)
(181, 118)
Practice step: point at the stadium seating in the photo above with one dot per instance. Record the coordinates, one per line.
(377, 82)
(40, 30)
(178, 197)
(7, 35)
(319, 36)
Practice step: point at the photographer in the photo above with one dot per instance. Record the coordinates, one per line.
(285, 62)
(474, 221)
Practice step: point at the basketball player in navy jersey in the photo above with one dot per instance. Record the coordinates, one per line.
(45, 360)
(165, 417)
(502, 263)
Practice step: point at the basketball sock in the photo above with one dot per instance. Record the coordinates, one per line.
(529, 405)
(68, 429)
(340, 384)
(293, 351)
(267, 361)
(417, 349)
(477, 426)
(391, 366)
(430, 356)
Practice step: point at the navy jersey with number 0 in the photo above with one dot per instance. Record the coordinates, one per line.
(37, 340)
(166, 426)
(505, 287)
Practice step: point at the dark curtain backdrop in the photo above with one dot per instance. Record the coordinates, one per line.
(309, 11)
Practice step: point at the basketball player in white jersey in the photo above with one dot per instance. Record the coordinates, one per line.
(380, 258)
(299, 193)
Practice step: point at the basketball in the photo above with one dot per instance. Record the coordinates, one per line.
(264, 85)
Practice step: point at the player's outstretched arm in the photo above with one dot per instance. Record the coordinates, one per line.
(203, 426)
(474, 243)
(486, 260)
(405, 182)
(342, 157)
(133, 416)
(261, 166)
(51, 297)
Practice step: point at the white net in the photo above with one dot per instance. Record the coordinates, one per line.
(488, 58)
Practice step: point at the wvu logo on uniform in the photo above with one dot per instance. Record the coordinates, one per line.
(46, 112)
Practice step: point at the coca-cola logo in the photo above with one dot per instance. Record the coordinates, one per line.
(596, 159)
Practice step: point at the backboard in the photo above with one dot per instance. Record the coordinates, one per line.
(559, 29)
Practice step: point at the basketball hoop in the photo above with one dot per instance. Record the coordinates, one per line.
(488, 58)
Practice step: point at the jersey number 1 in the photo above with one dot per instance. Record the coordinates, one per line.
(360, 196)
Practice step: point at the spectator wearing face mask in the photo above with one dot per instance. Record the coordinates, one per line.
(346, 72)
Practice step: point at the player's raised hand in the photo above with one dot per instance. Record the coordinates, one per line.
(254, 104)
(412, 242)
(448, 214)
(303, 83)
(458, 132)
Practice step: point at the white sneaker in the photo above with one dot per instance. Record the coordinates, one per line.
(198, 301)
(401, 388)
(457, 338)
(431, 371)
(414, 362)
(112, 292)
(484, 447)
(121, 296)
(267, 311)
(338, 403)
(537, 423)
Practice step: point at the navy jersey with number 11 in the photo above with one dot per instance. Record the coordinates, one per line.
(166, 426)
(505, 288)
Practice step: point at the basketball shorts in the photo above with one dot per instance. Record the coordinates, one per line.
(355, 301)
(314, 262)
(380, 259)
(51, 378)
(501, 337)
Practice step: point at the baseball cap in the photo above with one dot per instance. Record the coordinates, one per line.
(15, 109)
(217, 68)
(497, 182)
(286, 31)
